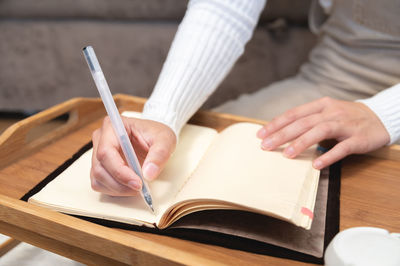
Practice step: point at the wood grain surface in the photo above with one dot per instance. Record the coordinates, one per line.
(369, 195)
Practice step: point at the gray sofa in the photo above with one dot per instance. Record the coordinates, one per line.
(41, 63)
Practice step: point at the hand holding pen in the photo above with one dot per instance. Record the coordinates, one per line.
(110, 174)
(117, 124)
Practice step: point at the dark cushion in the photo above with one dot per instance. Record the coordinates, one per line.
(42, 63)
(295, 10)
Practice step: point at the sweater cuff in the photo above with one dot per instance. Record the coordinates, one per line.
(159, 112)
(386, 105)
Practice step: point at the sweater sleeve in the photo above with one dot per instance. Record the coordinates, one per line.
(386, 105)
(209, 40)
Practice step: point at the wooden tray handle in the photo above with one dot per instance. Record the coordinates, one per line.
(16, 142)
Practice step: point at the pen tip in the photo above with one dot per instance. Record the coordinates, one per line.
(151, 207)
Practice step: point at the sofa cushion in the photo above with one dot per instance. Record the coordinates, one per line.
(294, 10)
(42, 63)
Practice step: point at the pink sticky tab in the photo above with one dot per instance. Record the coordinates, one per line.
(308, 212)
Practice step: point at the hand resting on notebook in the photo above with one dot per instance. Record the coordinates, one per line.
(153, 143)
(356, 128)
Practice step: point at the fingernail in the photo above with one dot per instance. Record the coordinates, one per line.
(267, 144)
(150, 171)
(289, 151)
(262, 133)
(134, 184)
(317, 164)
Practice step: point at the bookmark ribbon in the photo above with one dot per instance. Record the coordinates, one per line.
(308, 212)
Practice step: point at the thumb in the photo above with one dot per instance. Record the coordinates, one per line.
(157, 157)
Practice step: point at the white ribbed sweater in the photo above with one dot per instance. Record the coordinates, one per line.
(208, 42)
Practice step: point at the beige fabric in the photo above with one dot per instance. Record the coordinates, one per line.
(358, 55)
(280, 96)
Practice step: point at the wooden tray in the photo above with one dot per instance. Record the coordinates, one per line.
(369, 193)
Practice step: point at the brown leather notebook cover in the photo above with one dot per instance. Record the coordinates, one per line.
(248, 231)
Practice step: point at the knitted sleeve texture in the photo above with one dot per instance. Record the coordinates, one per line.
(386, 105)
(209, 40)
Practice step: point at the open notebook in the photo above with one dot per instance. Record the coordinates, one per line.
(208, 171)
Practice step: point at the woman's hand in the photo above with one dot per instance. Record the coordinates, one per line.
(153, 142)
(356, 128)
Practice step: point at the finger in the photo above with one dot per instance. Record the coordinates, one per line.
(112, 161)
(109, 155)
(103, 182)
(327, 130)
(97, 186)
(95, 136)
(289, 116)
(107, 135)
(156, 158)
(339, 151)
(290, 132)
